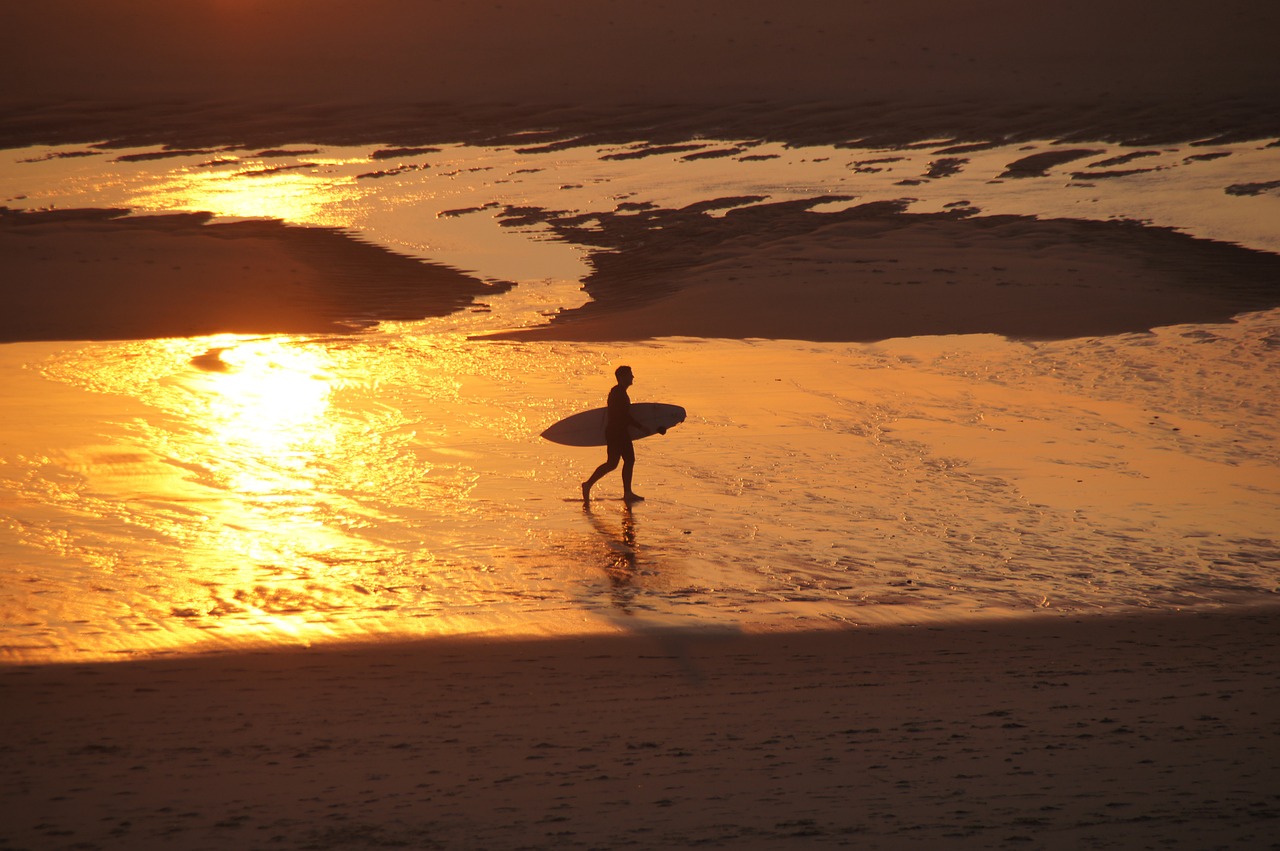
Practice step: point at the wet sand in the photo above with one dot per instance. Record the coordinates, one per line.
(862, 275)
(780, 272)
(1127, 731)
(105, 277)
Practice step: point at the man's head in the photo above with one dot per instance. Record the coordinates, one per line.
(624, 376)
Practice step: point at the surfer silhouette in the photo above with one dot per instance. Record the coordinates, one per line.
(617, 436)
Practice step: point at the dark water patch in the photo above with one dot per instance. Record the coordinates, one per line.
(265, 172)
(1123, 159)
(945, 167)
(714, 204)
(390, 172)
(521, 217)
(395, 153)
(211, 361)
(1106, 175)
(1200, 158)
(62, 155)
(872, 166)
(161, 155)
(464, 211)
(1038, 165)
(655, 151)
(287, 152)
(719, 153)
(554, 147)
(1252, 188)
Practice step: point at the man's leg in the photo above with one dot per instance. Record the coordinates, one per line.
(628, 466)
(604, 469)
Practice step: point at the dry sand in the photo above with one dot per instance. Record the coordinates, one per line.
(1123, 732)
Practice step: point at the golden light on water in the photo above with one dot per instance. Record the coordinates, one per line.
(262, 427)
(301, 194)
(174, 494)
(267, 398)
(282, 490)
(268, 490)
(246, 507)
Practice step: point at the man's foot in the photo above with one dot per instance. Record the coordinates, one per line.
(586, 492)
(633, 497)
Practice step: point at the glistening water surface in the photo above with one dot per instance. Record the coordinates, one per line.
(177, 495)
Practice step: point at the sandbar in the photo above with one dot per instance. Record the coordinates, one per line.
(101, 275)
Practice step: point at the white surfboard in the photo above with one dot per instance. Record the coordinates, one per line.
(587, 428)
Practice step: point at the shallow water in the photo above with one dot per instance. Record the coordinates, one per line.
(447, 204)
(176, 495)
(394, 484)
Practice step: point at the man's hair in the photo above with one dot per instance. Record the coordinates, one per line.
(617, 373)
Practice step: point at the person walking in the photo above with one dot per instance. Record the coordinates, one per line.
(617, 435)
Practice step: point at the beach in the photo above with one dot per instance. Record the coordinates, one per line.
(1101, 732)
(969, 538)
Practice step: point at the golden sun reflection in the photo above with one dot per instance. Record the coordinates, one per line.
(265, 394)
(299, 194)
(276, 556)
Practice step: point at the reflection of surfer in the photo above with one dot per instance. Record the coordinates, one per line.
(620, 562)
(617, 436)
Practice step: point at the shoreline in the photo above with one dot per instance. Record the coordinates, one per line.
(216, 125)
(978, 735)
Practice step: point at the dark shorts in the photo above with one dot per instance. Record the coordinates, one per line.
(619, 445)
